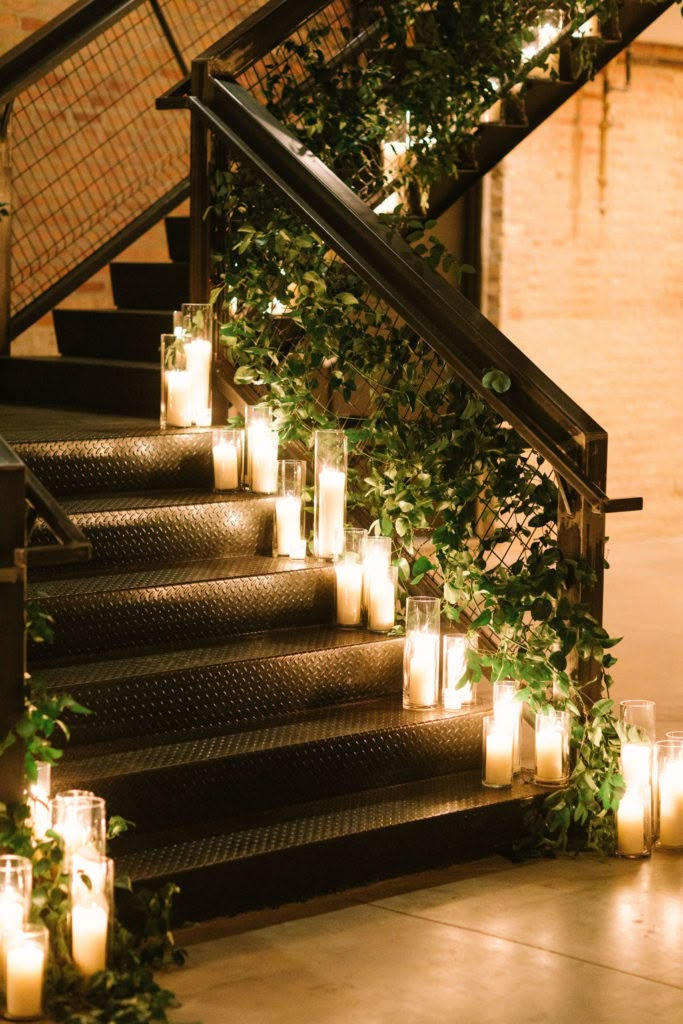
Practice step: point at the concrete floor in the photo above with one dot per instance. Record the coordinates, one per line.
(567, 941)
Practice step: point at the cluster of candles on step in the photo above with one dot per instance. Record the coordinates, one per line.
(79, 817)
(650, 811)
(186, 359)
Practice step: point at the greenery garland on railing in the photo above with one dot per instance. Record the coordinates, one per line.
(464, 500)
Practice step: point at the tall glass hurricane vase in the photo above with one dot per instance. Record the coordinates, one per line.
(330, 451)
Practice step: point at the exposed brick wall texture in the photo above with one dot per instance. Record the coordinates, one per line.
(591, 284)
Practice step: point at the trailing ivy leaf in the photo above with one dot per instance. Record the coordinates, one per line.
(496, 380)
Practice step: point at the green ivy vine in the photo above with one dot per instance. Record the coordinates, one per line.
(470, 509)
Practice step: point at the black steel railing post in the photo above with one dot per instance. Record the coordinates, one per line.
(5, 230)
(12, 632)
(200, 191)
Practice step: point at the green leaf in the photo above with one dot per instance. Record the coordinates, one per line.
(496, 380)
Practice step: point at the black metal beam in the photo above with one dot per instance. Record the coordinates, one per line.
(12, 592)
(542, 413)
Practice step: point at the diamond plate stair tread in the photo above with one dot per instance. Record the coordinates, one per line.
(29, 424)
(380, 716)
(174, 853)
(126, 501)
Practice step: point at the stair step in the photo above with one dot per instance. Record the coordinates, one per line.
(202, 690)
(316, 754)
(112, 386)
(200, 600)
(150, 285)
(134, 529)
(178, 238)
(294, 853)
(130, 334)
(122, 461)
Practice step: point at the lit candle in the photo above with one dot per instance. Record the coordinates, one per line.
(298, 549)
(178, 398)
(89, 928)
(262, 460)
(25, 965)
(422, 677)
(287, 523)
(12, 910)
(225, 474)
(636, 761)
(331, 496)
(671, 806)
(381, 604)
(499, 747)
(349, 590)
(631, 825)
(198, 356)
(549, 743)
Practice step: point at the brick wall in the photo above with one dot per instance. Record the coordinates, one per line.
(591, 288)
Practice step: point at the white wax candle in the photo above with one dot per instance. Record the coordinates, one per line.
(452, 698)
(25, 964)
(225, 473)
(262, 460)
(89, 927)
(671, 806)
(331, 512)
(498, 769)
(381, 604)
(198, 358)
(287, 523)
(178, 398)
(549, 755)
(349, 589)
(298, 549)
(12, 911)
(631, 825)
(636, 761)
(40, 813)
(422, 678)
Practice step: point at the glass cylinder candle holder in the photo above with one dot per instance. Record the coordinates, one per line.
(80, 819)
(91, 891)
(552, 747)
(497, 752)
(376, 558)
(421, 653)
(349, 578)
(640, 718)
(634, 822)
(262, 445)
(39, 801)
(635, 764)
(24, 974)
(176, 393)
(669, 794)
(198, 338)
(506, 709)
(228, 450)
(454, 666)
(329, 504)
(674, 734)
(16, 884)
(289, 507)
(382, 599)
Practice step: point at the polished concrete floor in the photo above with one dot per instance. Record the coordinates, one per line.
(570, 941)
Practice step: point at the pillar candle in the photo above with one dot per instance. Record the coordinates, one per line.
(636, 760)
(349, 589)
(549, 755)
(198, 357)
(89, 928)
(381, 604)
(499, 746)
(262, 460)
(671, 806)
(287, 523)
(178, 398)
(422, 681)
(225, 474)
(12, 909)
(631, 825)
(332, 511)
(25, 965)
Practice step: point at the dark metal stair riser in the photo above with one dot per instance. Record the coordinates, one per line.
(150, 285)
(159, 461)
(142, 536)
(299, 873)
(189, 793)
(112, 334)
(92, 621)
(208, 698)
(178, 238)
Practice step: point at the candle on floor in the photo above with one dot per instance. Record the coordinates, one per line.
(552, 747)
(382, 600)
(632, 818)
(89, 932)
(349, 576)
(636, 764)
(498, 751)
(669, 791)
(24, 973)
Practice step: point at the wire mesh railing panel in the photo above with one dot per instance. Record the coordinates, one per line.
(196, 24)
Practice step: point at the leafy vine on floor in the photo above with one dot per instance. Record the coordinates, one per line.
(467, 504)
